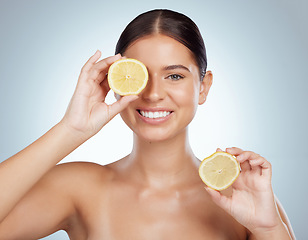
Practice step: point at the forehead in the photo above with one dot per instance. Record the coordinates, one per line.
(160, 50)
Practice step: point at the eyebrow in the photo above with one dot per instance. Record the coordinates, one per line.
(177, 66)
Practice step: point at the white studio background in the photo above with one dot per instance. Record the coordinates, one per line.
(257, 51)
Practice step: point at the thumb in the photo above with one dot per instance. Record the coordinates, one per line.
(221, 200)
(120, 105)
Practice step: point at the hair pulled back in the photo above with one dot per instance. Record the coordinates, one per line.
(173, 24)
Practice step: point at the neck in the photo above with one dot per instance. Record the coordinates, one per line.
(162, 163)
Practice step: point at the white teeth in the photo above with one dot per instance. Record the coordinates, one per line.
(159, 114)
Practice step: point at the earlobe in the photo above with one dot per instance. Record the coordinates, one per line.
(205, 87)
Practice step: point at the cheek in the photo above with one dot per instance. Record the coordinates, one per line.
(186, 96)
(127, 116)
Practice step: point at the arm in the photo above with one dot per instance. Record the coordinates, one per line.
(252, 202)
(285, 218)
(19, 173)
(46, 208)
(87, 113)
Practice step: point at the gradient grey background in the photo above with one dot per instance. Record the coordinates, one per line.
(257, 51)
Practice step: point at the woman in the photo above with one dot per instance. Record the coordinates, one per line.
(154, 192)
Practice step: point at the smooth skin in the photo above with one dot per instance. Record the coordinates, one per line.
(154, 192)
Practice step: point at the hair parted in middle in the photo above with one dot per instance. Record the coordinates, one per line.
(170, 23)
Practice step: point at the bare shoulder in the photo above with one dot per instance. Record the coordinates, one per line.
(74, 180)
(79, 172)
(73, 167)
(60, 193)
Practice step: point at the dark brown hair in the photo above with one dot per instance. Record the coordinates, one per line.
(173, 24)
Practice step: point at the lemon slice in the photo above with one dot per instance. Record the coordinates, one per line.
(219, 170)
(127, 76)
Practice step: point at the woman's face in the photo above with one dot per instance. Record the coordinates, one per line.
(169, 101)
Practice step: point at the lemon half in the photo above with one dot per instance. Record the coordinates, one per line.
(219, 170)
(127, 76)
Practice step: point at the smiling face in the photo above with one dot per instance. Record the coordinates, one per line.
(169, 101)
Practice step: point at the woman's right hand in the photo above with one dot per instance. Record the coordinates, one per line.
(87, 112)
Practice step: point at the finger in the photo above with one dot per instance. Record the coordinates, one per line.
(120, 105)
(247, 155)
(234, 151)
(245, 166)
(100, 68)
(105, 86)
(102, 78)
(218, 198)
(219, 150)
(92, 60)
(255, 168)
(264, 166)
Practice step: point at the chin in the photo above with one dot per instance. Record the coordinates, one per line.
(154, 139)
(156, 135)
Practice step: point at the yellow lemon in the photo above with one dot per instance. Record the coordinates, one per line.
(219, 170)
(127, 76)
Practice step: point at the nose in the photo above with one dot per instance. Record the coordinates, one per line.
(154, 90)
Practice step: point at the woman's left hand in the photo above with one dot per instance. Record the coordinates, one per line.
(252, 202)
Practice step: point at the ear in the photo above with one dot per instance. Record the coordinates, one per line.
(205, 87)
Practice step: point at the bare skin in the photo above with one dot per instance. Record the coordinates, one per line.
(154, 192)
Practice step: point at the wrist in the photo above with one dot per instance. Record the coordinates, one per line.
(71, 133)
(279, 232)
